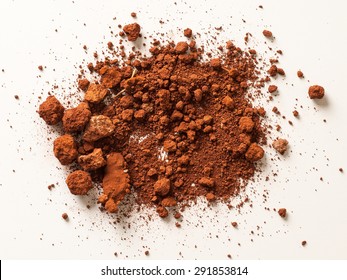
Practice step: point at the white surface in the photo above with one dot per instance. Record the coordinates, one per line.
(313, 38)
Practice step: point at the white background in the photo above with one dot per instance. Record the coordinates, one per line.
(313, 37)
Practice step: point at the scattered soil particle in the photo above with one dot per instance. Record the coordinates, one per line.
(147, 253)
(281, 71)
(188, 32)
(40, 67)
(280, 145)
(316, 92)
(303, 243)
(16, 97)
(65, 216)
(267, 33)
(300, 74)
(83, 84)
(295, 113)
(133, 14)
(282, 212)
(273, 70)
(272, 88)
(234, 224)
(132, 31)
(341, 170)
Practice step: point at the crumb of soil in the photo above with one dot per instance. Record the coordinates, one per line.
(132, 31)
(188, 32)
(280, 145)
(267, 33)
(316, 92)
(282, 212)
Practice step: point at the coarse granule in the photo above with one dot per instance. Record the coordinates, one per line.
(316, 92)
(272, 88)
(280, 145)
(132, 31)
(267, 33)
(51, 110)
(282, 212)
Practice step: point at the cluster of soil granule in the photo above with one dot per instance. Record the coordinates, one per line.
(167, 129)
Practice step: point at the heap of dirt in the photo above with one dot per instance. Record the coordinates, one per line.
(166, 129)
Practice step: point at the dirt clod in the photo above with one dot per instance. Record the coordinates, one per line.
(79, 182)
(282, 212)
(267, 33)
(65, 149)
(51, 110)
(132, 31)
(316, 92)
(280, 145)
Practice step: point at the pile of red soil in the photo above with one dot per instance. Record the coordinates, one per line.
(167, 129)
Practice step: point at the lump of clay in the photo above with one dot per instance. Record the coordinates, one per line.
(92, 161)
(132, 31)
(110, 76)
(254, 152)
(97, 128)
(115, 183)
(95, 93)
(246, 124)
(181, 47)
(316, 92)
(162, 186)
(280, 145)
(51, 110)
(170, 146)
(79, 182)
(282, 212)
(207, 182)
(74, 120)
(216, 63)
(65, 149)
